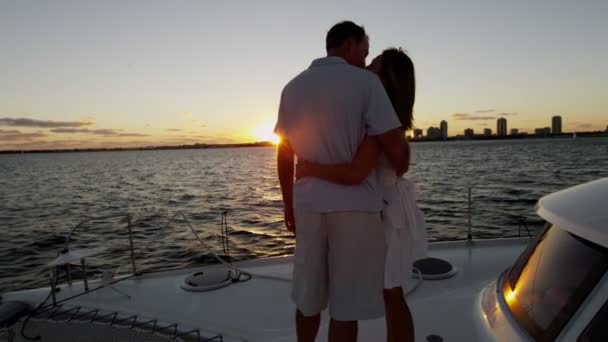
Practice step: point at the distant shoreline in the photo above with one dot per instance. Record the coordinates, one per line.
(146, 148)
(271, 144)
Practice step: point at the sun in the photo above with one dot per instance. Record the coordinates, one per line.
(264, 132)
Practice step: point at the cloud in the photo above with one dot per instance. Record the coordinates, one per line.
(103, 132)
(198, 122)
(182, 138)
(191, 137)
(24, 122)
(14, 135)
(469, 117)
(70, 130)
(173, 130)
(584, 126)
(215, 139)
(128, 135)
(474, 117)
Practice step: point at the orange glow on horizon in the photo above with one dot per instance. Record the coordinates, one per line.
(265, 132)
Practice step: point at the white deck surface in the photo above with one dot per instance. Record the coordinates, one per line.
(261, 310)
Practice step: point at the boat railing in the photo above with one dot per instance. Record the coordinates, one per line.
(68, 259)
(129, 220)
(523, 229)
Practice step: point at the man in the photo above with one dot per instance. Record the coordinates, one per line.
(324, 115)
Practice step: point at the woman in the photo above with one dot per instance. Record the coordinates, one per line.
(404, 226)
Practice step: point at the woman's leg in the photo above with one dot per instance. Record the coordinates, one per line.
(399, 322)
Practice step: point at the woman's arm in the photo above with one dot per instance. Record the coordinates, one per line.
(397, 151)
(348, 174)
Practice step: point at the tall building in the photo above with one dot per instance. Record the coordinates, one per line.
(433, 133)
(417, 133)
(487, 132)
(514, 131)
(556, 125)
(443, 126)
(469, 133)
(501, 127)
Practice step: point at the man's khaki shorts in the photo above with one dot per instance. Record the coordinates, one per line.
(339, 260)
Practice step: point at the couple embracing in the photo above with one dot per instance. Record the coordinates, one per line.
(351, 210)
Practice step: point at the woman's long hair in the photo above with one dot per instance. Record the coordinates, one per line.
(397, 73)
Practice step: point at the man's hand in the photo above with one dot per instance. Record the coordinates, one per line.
(290, 220)
(303, 169)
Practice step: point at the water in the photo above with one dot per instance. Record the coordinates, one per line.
(44, 195)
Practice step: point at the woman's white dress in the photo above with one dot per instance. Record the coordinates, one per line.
(404, 227)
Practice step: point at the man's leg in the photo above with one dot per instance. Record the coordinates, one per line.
(399, 322)
(343, 331)
(356, 271)
(307, 327)
(310, 283)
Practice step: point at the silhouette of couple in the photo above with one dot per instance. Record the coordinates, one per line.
(357, 227)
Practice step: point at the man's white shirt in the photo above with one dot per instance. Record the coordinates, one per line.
(325, 113)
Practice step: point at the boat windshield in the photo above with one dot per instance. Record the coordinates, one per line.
(550, 280)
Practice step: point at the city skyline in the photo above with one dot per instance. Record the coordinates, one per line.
(93, 74)
(502, 130)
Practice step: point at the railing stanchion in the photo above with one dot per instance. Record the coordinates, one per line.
(131, 244)
(470, 231)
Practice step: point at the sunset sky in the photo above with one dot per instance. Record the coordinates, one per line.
(138, 73)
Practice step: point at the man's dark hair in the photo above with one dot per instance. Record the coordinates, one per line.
(342, 31)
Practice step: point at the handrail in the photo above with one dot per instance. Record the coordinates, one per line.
(89, 219)
(237, 272)
(469, 216)
(100, 218)
(521, 222)
(128, 217)
(182, 215)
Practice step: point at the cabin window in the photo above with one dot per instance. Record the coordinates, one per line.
(551, 279)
